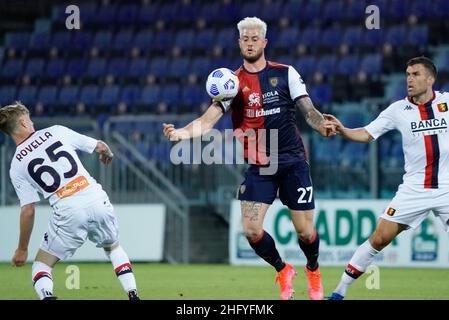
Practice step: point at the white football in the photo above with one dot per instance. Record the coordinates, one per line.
(222, 84)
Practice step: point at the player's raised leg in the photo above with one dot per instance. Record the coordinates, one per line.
(123, 269)
(385, 232)
(41, 274)
(309, 242)
(253, 214)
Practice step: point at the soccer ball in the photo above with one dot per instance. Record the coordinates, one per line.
(222, 84)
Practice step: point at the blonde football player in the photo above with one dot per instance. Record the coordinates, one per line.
(46, 162)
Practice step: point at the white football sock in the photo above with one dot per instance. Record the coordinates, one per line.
(122, 268)
(360, 261)
(42, 279)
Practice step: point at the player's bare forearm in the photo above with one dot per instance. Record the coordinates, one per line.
(313, 117)
(104, 151)
(356, 135)
(26, 225)
(197, 127)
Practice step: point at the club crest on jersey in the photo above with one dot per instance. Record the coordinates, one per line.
(391, 211)
(254, 99)
(442, 107)
(274, 81)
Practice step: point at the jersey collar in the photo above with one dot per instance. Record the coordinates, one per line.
(26, 138)
(430, 101)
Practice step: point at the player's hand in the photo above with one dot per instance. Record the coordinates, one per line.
(337, 123)
(106, 157)
(328, 129)
(170, 132)
(20, 258)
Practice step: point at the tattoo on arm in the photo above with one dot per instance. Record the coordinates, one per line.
(313, 117)
(251, 210)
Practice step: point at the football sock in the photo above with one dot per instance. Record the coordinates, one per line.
(42, 280)
(266, 249)
(311, 250)
(358, 264)
(122, 268)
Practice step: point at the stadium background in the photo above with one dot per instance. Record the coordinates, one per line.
(136, 64)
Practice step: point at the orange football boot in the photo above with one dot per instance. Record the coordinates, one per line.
(285, 278)
(314, 286)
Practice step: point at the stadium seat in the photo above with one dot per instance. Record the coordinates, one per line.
(192, 95)
(177, 67)
(309, 11)
(82, 39)
(332, 11)
(227, 38)
(96, 68)
(55, 68)
(420, 9)
(148, 14)
(106, 14)
(127, 14)
(271, 12)
(17, 40)
(150, 95)
(200, 66)
(35, 67)
(184, 39)
(62, 39)
(396, 35)
(143, 39)
(76, 67)
(7, 94)
(138, 68)
(130, 94)
(68, 95)
(39, 41)
(287, 38)
(12, 68)
(170, 94)
(89, 95)
(109, 95)
(102, 39)
(306, 66)
(162, 41)
(47, 95)
(418, 35)
(158, 67)
(27, 95)
(168, 12)
(118, 67)
(123, 40)
(371, 64)
(310, 36)
(327, 65)
(373, 38)
(348, 65)
(250, 9)
(204, 40)
(354, 10)
(352, 36)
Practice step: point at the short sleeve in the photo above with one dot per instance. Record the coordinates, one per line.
(382, 124)
(296, 85)
(25, 191)
(79, 141)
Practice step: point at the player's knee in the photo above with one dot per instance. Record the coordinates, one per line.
(379, 240)
(305, 235)
(252, 233)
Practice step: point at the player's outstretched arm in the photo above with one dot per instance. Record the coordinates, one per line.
(357, 134)
(314, 118)
(104, 151)
(26, 228)
(197, 127)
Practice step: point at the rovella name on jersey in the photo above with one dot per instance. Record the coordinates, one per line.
(33, 145)
(428, 127)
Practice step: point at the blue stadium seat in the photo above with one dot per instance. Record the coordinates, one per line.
(227, 38)
(88, 11)
(17, 40)
(353, 119)
(178, 67)
(106, 14)
(420, 9)
(271, 11)
(27, 95)
(287, 59)
(138, 67)
(204, 39)
(440, 8)
(109, 95)
(55, 68)
(200, 66)
(354, 153)
(331, 37)
(250, 9)
(187, 11)
(326, 152)
(35, 67)
(184, 39)
(327, 65)
(310, 36)
(48, 95)
(130, 94)
(163, 40)
(306, 65)
(76, 67)
(118, 67)
(398, 9)
(168, 11)
(150, 95)
(333, 10)
(192, 95)
(170, 94)
(62, 40)
(127, 14)
(371, 64)
(353, 36)
(102, 39)
(123, 40)
(373, 38)
(418, 35)
(7, 95)
(39, 41)
(144, 39)
(82, 39)
(148, 14)
(89, 95)
(158, 67)
(354, 10)
(445, 87)
(68, 95)
(210, 11)
(12, 68)
(96, 68)
(287, 38)
(321, 93)
(348, 65)
(396, 35)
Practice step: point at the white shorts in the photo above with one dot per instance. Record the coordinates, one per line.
(70, 227)
(411, 206)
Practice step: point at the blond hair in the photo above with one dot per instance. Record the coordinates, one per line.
(250, 23)
(9, 116)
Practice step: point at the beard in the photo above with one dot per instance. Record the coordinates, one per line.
(253, 58)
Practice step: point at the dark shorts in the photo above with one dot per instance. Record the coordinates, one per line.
(292, 180)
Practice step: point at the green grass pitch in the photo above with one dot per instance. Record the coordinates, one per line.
(218, 282)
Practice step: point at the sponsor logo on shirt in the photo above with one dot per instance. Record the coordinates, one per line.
(408, 107)
(72, 187)
(251, 113)
(429, 127)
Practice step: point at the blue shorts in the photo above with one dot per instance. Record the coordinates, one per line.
(292, 180)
